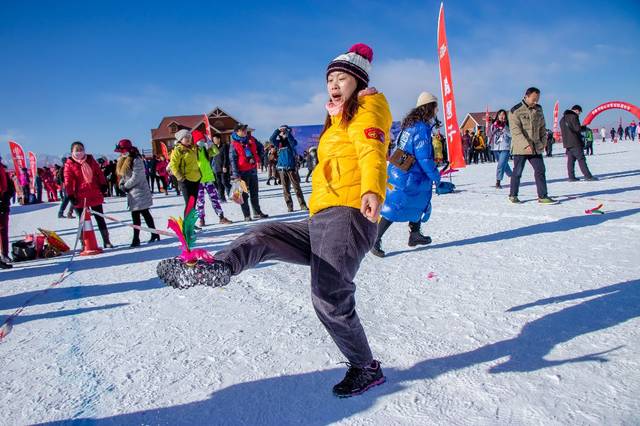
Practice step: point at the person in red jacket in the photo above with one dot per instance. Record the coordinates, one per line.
(244, 159)
(85, 184)
(6, 193)
(161, 172)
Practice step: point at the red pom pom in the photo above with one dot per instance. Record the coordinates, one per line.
(362, 50)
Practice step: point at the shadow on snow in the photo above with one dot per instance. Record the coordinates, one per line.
(305, 398)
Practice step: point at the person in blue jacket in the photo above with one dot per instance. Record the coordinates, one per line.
(408, 197)
(286, 143)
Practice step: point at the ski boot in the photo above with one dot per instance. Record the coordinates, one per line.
(417, 239)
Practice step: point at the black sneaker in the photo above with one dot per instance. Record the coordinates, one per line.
(177, 274)
(417, 239)
(260, 216)
(359, 380)
(4, 265)
(376, 250)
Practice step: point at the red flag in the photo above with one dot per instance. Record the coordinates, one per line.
(487, 123)
(556, 127)
(207, 127)
(165, 152)
(17, 155)
(454, 140)
(33, 166)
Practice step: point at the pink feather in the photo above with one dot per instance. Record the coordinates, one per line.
(196, 254)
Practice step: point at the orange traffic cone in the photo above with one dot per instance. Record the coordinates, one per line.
(90, 245)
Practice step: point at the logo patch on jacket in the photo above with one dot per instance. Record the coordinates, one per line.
(374, 133)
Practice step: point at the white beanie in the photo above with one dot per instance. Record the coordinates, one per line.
(425, 98)
(181, 134)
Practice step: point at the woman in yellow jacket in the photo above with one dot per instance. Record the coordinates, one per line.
(184, 166)
(348, 191)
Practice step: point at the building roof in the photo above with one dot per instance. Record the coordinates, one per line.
(184, 121)
(190, 122)
(478, 117)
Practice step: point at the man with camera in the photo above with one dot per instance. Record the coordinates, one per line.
(286, 144)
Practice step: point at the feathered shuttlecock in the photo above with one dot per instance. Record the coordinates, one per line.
(185, 231)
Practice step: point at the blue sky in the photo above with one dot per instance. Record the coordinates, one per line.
(102, 71)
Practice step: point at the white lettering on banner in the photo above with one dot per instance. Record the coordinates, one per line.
(447, 87)
(448, 107)
(443, 50)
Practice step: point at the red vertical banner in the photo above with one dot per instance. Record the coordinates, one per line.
(487, 123)
(165, 151)
(33, 166)
(207, 127)
(556, 127)
(17, 155)
(454, 140)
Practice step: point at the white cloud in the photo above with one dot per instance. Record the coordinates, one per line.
(137, 103)
(497, 80)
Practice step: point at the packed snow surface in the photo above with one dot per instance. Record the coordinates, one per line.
(516, 314)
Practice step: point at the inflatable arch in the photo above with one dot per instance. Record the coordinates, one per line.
(611, 105)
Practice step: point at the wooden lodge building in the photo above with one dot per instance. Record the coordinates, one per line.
(475, 121)
(220, 123)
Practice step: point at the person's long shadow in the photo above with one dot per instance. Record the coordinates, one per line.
(62, 294)
(29, 208)
(601, 176)
(21, 319)
(154, 208)
(561, 225)
(603, 192)
(305, 399)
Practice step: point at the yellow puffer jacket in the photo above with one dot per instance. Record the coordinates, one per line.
(353, 160)
(184, 163)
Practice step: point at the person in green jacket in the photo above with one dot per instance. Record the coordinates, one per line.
(184, 166)
(206, 151)
(588, 141)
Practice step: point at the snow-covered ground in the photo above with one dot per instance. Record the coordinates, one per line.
(516, 314)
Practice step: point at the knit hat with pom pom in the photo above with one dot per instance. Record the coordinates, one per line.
(357, 62)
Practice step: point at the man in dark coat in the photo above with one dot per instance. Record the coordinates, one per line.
(574, 143)
(221, 168)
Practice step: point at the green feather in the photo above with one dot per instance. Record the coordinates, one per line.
(188, 228)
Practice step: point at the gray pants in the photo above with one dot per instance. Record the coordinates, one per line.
(332, 242)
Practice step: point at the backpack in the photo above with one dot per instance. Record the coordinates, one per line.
(22, 251)
(445, 188)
